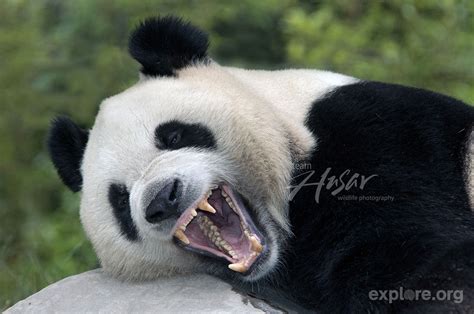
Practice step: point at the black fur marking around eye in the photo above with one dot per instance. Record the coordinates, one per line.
(164, 45)
(119, 199)
(66, 143)
(175, 135)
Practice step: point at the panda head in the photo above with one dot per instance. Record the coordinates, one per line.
(186, 171)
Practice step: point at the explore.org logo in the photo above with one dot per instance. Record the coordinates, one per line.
(401, 294)
(345, 181)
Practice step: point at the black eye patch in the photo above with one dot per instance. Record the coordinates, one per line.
(119, 198)
(175, 135)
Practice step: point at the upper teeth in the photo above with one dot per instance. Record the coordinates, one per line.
(205, 206)
(228, 200)
(187, 221)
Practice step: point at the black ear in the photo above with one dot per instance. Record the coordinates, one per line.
(66, 144)
(164, 45)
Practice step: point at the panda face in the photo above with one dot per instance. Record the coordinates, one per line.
(181, 173)
(186, 171)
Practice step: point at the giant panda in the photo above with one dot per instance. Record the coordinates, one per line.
(320, 186)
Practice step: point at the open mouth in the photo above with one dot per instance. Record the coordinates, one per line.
(220, 226)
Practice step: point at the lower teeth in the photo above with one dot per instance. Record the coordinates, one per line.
(212, 233)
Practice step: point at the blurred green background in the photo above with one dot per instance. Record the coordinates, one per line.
(66, 56)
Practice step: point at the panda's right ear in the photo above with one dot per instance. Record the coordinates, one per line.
(66, 144)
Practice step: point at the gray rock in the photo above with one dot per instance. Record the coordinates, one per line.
(96, 292)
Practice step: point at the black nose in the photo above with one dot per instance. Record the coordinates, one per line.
(165, 204)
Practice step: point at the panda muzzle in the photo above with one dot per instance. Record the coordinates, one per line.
(219, 225)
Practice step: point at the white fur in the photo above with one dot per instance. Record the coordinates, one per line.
(257, 118)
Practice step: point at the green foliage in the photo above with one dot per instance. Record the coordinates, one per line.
(422, 43)
(66, 56)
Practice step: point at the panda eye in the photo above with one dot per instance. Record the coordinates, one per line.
(176, 135)
(173, 138)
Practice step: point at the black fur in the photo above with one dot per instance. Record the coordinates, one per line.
(414, 141)
(164, 45)
(175, 135)
(66, 143)
(119, 198)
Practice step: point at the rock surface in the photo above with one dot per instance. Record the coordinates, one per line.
(94, 291)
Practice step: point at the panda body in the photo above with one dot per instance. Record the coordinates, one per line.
(305, 155)
(421, 236)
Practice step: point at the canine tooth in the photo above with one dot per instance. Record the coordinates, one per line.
(238, 267)
(205, 206)
(256, 246)
(181, 236)
(194, 213)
